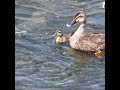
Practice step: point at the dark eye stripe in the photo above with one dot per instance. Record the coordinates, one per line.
(77, 14)
(79, 17)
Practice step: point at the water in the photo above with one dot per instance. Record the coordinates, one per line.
(39, 63)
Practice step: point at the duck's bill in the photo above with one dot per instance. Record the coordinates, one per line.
(71, 23)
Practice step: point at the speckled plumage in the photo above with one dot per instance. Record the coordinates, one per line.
(90, 42)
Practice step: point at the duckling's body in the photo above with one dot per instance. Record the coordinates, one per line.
(86, 41)
(61, 37)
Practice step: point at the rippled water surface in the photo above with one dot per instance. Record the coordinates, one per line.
(42, 65)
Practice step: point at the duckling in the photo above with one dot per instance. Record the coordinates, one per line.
(86, 41)
(62, 37)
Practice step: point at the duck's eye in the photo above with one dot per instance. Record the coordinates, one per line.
(80, 16)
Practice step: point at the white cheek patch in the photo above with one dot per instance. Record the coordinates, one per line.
(80, 20)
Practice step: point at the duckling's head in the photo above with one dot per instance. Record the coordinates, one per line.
(79, 17)
(58, 33)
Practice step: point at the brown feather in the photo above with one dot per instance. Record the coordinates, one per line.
(91, 42)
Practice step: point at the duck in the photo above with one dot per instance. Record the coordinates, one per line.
(93, 42)
(62, 37)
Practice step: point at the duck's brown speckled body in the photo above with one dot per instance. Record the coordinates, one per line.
(85, 42)
(90, 42)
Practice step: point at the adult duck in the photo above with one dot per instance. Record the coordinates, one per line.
(86, 41)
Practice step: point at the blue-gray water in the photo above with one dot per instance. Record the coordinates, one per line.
(39, 63)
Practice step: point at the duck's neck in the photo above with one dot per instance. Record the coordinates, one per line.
(79, 32)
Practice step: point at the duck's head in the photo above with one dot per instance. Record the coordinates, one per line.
(79, 17)
(58, 33)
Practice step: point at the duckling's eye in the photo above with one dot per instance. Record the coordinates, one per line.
(59, 32)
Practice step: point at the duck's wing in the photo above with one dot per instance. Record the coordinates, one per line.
(91, 42)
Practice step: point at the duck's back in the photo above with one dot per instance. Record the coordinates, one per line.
(90, 42)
